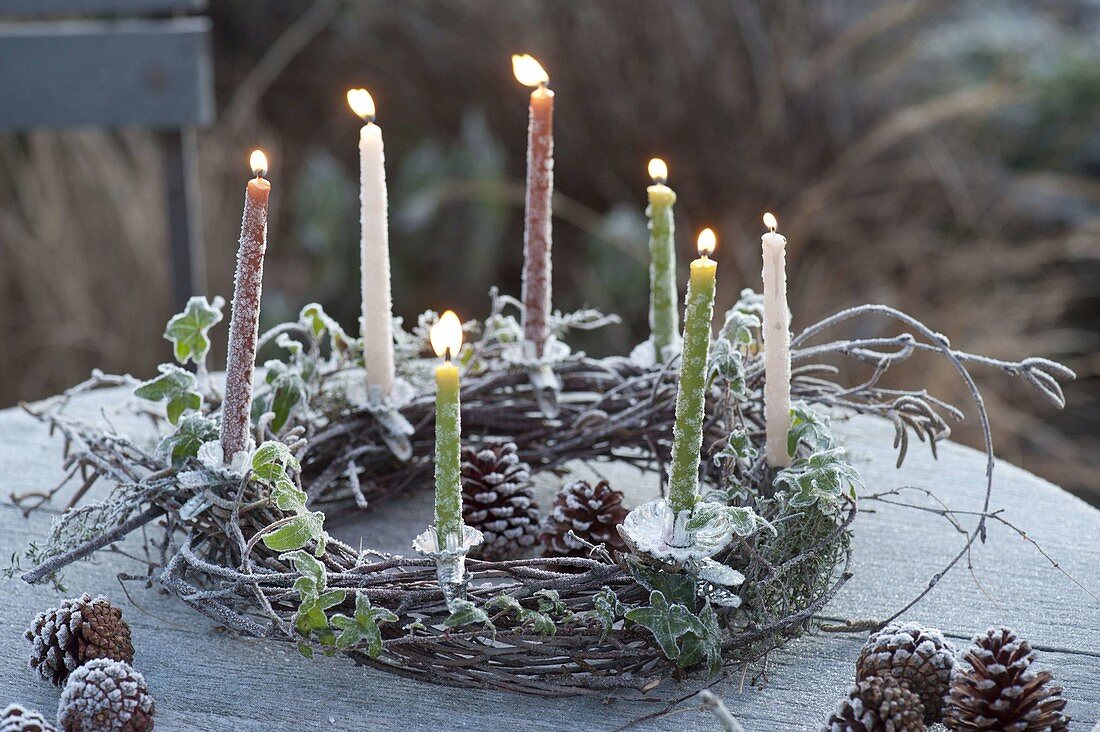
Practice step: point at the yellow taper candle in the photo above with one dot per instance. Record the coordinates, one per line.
(664, 325)
(687, 431)
(446, 337)
(777, 346)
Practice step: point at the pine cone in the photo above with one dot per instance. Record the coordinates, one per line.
(17, 719)
(917, 656)
(497, 499)
(1000, 690)
(878, 704)
(592, 513)
(106, 696)
(76, 632)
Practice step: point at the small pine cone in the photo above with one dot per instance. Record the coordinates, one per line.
(17, 719)
(498, 501)
(75, 632)
(106, 696)
(878, 704)
(1001, 691)
(590, 512)
(917, 656)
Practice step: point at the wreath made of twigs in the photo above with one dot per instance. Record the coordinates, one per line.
(611, 622)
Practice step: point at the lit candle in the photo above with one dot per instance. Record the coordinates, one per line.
(664, 325)
(537, 240)
(777, 346)
(446, 338)
(244, 323)
(687, 431)
(374, 245)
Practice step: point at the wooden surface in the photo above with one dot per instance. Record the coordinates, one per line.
(204, 680)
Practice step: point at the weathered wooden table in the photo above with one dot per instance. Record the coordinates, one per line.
(203, 680)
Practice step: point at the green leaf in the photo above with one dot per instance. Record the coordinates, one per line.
(174, 385)
(809, 428)
(739, 327)
(304, 528)
(606, 609)
(739, 447)
(307, 566)
(703, 642)
(676, 586)
(271, 461)
(192, 432)
(464, 612)
(188, 330)
(363, 627)
(742, 520)
(288, 391)
(728, 365)
(821, 479)
(666, 622)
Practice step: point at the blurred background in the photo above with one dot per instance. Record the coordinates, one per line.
(940, 157)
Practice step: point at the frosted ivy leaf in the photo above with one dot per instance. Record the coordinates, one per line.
(540, 622)
(739, 327)
(188, 330)
(820, 479)
(741, 520)
(464, 612)
(668, 623)
(174, 386)
(288, 390)
(750, 302)
(272, 459)
(302, 529)
(727, 363)
(738, 447)
(809, 428)
(362, 627)
(194, 430)
(606, 609)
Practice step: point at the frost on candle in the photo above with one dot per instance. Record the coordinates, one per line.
(244, 322)
(777, 345)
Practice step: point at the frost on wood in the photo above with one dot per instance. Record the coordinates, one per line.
(244, 329)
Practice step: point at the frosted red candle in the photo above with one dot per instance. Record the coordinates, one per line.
(244, 322)
(537, 241)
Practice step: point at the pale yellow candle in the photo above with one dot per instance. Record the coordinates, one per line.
(777, 346)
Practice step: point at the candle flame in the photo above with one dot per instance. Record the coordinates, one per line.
(362, 103)
(706, 242)
(446, 335)
(258, 162)
(658, 170)
(528, 71)
(771, 222)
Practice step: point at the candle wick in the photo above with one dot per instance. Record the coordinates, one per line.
(447, 354)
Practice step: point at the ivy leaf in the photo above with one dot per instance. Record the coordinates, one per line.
(665, 621)
(738, 447)
(302, 529)
(728, 364)
(676, 586)
(606, 609)
(288, 390)
(317, 321)
(464, 612)
(820, 479)
(742, 520)
(188, 330)
(363, 627)
(703, 642)
(809, 428)
(192, 432)
(550, 602)
(307, 566)
(271, 461)
(174, 385)
(739, 327)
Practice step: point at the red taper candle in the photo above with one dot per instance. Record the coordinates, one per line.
(537, 240)
(244, 323)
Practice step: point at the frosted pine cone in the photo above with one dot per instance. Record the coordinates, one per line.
(17, 719)
(497, 500)
(999, 690)
(590, 512)
(106, 696)
(75, 632)
(917, 656)
(878, 704)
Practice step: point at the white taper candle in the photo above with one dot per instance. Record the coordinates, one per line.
(377, 319)
(777, 346)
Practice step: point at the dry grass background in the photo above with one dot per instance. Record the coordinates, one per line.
(942, 157)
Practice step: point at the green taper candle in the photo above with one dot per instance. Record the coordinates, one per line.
(446, 337)
(687, 431)
(664, 325)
